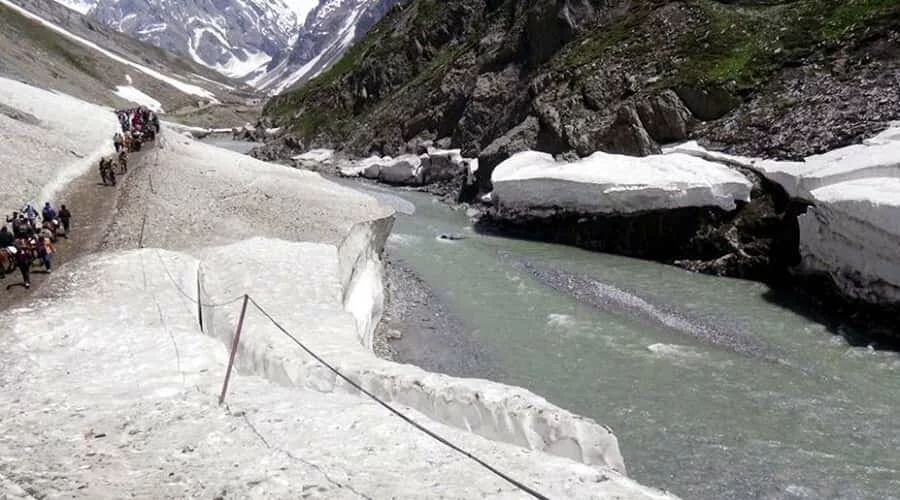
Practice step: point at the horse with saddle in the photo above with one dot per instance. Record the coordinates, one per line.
(35, 248)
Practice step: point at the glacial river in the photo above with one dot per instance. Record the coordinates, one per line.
(714, 390)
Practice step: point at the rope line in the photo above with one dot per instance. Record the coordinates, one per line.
(187, 296)
(397, 412)
(530, 491)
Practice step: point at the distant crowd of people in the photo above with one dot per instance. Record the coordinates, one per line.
(24, 240)
(138, 125)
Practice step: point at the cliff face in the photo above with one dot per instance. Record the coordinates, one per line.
(765, 78)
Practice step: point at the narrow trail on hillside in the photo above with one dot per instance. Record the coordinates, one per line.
(93, 206)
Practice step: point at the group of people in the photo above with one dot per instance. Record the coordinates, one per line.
(138, 123)
(137, 126)
(28, 241)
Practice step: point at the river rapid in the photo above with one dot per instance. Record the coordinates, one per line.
(714, 389)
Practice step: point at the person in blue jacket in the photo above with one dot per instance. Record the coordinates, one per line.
(48, 213)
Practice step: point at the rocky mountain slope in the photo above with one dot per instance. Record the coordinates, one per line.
(48, 45)
(238, 38)
(270, 44)
(758, 77)
(330, 29)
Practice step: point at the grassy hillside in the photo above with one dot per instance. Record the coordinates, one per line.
(473, 70)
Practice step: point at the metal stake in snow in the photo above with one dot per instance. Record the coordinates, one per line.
(234, 346)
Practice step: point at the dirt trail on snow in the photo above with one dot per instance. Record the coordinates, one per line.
(93, 207)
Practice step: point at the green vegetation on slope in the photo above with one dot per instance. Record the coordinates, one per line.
(743, 43)
(746, 44)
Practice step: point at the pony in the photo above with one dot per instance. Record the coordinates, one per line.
(106, 170)
(123, 161)
(7, 260)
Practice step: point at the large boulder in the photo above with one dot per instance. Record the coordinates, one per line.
(707, 104)
(522, 137)
(442, 165)
(665, 117)
(284, 146)
(370, 168)
(404, 170)
(627, 135)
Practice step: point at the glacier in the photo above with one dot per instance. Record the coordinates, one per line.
(615, 184)
(112, 371)
(851, 232)
(112, 387)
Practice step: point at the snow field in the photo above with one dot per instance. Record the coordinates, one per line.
(55, 139)
(492, 410)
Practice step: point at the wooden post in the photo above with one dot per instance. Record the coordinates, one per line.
(234, 348)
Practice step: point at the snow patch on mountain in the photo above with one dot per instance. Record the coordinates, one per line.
(301, 8)
(138, 97)
(270, 44)
(181, 86)
(80, 6)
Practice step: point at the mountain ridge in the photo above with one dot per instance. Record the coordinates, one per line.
(268, 44)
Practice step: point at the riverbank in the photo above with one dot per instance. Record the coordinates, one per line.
(707, 364)
(419, 328)
(715, 214)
